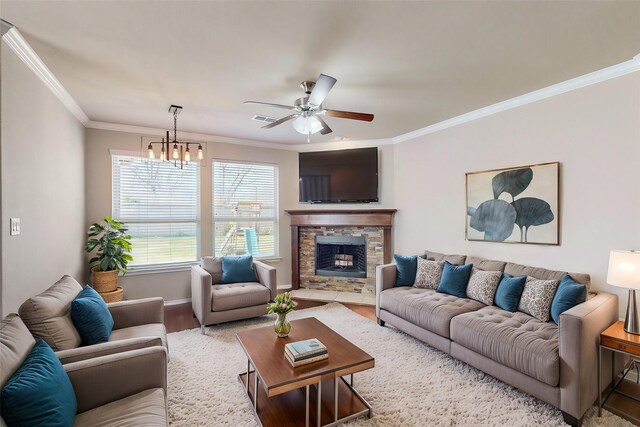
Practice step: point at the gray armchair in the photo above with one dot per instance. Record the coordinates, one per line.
(137, 323)
(106, 391)
(215, 303)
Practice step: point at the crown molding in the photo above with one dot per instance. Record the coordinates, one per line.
(201, 137)
(599, 76)
(25, 52)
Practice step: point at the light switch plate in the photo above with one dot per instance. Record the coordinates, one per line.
(15, 227)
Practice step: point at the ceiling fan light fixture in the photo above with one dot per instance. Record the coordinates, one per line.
(307, 125)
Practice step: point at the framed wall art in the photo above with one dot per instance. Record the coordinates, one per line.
(514, 205)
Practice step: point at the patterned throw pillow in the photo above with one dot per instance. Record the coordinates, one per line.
(537, 297)
(428, 274)
(483, 284)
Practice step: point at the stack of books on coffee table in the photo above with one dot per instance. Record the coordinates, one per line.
(304, 352)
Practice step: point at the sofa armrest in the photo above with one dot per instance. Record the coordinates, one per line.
(105, 379)
(201, 282)
(267, 277)
(579, 336)
(137, 312)
(104, 349)
(385, 279)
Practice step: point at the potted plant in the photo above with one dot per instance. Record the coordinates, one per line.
(113, 246)
(281, 305)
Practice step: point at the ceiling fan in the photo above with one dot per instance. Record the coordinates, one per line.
(307, 111)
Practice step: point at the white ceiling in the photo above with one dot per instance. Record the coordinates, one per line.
(412, 64)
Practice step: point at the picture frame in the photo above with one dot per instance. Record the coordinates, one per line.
(518, 204)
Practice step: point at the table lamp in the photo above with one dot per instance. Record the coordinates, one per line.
(624, 271)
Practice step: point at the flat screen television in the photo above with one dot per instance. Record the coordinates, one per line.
(340, 176)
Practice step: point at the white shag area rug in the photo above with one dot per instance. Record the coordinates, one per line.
(412, 384)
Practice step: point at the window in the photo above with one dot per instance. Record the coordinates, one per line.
(160, 205)
(245, 209)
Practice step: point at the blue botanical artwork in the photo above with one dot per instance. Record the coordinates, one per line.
(514, 205)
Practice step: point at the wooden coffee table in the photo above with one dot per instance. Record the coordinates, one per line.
(283, 399)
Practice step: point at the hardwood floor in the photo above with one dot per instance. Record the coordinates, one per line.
(180, 317)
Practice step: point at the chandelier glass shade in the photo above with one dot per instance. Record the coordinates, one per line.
(178, 152)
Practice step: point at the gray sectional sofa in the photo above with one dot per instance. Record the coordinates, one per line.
(555, 363)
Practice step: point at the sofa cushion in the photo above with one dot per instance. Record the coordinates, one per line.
(213, 266)
(91, 317)
(146, 408)
(485, 264)
(406, 268)
(428, 274)
(544, 274)
(568, 295)
(39, 392)
(47, 315)
(509, 292)
(426, 308)
(16, 343)
(537, 297)
(454, 279)
(237, 269)
(437, 256)
(516, 340)
(148, 330)
(483, 284)
(238, 295)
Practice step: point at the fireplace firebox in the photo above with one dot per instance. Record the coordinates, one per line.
(341, 256)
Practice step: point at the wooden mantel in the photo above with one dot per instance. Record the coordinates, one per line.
(336, 218)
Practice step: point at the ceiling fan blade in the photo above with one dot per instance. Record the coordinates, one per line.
(279, 122)
(325, 127)
(269, 104)
(366, 117)
(321, 89)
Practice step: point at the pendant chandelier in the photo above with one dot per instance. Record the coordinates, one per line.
(175, 151)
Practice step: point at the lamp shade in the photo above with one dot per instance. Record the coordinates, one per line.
(624, 269)
(307, 125)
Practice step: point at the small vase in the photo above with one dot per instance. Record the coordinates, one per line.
(282, 326)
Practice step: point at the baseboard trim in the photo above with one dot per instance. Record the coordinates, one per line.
(177, 302)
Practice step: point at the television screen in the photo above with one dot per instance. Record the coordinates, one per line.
(340, 176)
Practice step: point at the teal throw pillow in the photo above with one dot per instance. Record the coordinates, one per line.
(569, 294)
(237, 269)
(91, 317)
(406, 267)
(509, 292)
(39, 393)
(454, 279)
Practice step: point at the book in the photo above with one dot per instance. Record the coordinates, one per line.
(308, 356)
(305, 347)
(307, 361)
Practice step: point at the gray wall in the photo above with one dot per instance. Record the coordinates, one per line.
(176, 285)
(594, 132)
(42, 155)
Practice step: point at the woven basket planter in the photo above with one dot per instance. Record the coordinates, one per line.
(105, 281)
(113, 296)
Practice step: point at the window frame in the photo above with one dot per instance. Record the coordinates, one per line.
(167, 267)
(276, 208)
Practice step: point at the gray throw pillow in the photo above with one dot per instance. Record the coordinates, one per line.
(483, 284)
(537, 297)
(428, 274)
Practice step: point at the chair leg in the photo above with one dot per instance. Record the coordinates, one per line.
(380, 321)
(203, 330)
(571, 420)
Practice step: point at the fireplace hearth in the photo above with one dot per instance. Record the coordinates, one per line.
(341, 256)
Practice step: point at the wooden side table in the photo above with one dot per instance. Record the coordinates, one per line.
(615, 339)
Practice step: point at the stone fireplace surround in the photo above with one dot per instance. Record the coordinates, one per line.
(373, 224)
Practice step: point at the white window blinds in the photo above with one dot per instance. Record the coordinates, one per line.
(245, 209)
(160, 205)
